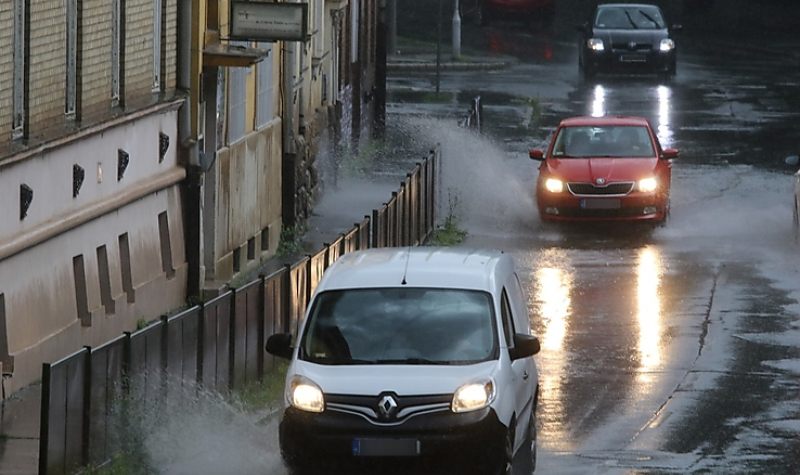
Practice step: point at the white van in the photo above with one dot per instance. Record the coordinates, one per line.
(414, 353)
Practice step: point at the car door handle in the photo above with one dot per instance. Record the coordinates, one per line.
(525, 375)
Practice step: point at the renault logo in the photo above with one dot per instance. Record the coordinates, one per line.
(632, 45)
(387, 406)
(600, 181)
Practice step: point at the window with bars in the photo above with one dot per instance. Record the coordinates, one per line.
(237, 96)
(265, 109)
(20, 98)
(72, 58)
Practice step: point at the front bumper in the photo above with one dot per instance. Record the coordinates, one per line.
(616, 60)
(441, 436)
(632, 207)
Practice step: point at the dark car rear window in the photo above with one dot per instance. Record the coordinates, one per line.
(400, 326)
(634, 17)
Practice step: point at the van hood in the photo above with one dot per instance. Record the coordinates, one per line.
(588, 170)
(403, 380)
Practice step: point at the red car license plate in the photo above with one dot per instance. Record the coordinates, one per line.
(386, 447)
(600, 203)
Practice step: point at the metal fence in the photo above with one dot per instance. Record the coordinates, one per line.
(218, 344)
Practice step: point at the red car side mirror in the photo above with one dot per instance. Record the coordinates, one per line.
(536, 154)
(669, 153)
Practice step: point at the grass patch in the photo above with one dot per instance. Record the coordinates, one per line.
(449, 234)
(122, 464)
(267, 393)
(290, 241)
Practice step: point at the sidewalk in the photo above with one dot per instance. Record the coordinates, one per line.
(19, 432)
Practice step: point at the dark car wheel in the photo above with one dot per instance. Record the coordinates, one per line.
(482, 15)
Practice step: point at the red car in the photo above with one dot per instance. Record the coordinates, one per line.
(604, 168)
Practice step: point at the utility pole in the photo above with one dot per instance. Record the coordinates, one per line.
(438, 45)
(456, 31)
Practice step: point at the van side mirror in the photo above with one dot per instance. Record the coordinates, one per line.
(792, 160)
(536, 154)
(280, 345)
(677, 27)
(669, 153)
(524, 346)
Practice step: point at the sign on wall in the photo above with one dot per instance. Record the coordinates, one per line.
(253, 21)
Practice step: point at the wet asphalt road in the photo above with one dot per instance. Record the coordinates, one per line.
(671, 350)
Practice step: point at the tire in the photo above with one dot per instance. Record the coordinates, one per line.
(505, 464)
(529, 445)
(482, 15)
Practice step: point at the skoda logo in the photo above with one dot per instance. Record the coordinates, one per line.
(387, 406)
(601, 181)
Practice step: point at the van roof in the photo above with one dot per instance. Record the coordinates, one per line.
(435, 267)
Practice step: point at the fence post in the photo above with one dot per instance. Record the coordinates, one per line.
(232, 340)
(87, 406)
(44, 423)
(262, 311)
(201, 317)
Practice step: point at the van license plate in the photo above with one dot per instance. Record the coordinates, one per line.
(600, 203)
(386, 447)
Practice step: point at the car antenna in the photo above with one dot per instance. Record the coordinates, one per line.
(405, 271)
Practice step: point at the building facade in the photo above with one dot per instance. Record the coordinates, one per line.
(145, 156)
(91, 239)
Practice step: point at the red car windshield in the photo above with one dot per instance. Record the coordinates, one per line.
(618, 141)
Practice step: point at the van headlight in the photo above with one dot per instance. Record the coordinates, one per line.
(666, 45)
(473, 396)
(305, 395)
(648, 185)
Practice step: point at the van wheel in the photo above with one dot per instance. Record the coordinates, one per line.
(529, 445)
(506, 462)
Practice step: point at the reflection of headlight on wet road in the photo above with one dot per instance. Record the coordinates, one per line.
(599, 101)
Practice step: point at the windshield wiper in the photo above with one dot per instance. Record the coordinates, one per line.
(412, 361)
(651, 19)
(633, 23)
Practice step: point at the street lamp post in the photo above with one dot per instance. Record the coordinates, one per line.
(456, 32)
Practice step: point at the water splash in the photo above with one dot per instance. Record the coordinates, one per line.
(196, 431)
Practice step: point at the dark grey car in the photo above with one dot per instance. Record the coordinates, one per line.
(627, 38)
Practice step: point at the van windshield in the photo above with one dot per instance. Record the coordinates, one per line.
(400, 326)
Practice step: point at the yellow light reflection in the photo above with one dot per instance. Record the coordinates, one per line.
(553, 288)
(599, 101)
(553, 305)
(649, 310)
(664, 131)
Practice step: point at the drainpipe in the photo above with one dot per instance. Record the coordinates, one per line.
(289, 165)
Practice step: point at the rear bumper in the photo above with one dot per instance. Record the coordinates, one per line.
(473, 437)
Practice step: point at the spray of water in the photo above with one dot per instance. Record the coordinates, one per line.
(196, 431)
(490, 190)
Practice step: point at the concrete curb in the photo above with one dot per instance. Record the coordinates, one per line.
(449, 66)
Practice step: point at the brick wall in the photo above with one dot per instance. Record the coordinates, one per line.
(95, 69)
(170, 42)
(138, 49)
(6, 68)
(47, 64)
